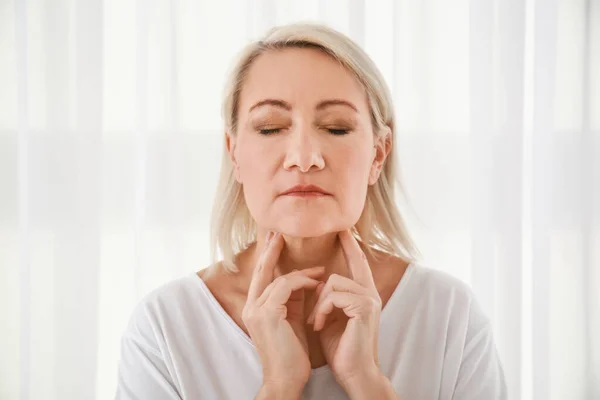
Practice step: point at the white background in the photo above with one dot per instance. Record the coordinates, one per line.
(110, 144)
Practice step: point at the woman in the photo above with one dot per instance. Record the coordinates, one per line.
(318, 295)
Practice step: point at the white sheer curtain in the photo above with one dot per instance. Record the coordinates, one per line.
(110, 138)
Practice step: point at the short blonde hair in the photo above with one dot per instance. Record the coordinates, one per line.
(380, 226)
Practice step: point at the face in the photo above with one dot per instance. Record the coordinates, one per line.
(304, 120)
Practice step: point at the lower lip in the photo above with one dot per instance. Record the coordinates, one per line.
(306, 194)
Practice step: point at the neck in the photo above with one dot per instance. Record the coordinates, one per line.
(300, 253)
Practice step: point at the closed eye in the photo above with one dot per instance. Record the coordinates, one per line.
(333, 131)
(338, 131)
(268, 131)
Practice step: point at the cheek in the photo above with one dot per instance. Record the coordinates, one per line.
(353, 167)
(254, 160)
(352, 177)
(256, 166)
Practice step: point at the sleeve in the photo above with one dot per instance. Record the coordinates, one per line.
(480, 376)
(143, 374)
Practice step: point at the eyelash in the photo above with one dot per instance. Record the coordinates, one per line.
(336, 132)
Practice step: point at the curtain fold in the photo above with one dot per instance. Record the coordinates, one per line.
(496, 149)
(111, 136)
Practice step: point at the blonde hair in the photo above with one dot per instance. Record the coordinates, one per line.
(380, 226)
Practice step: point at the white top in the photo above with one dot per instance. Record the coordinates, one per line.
(434, 343)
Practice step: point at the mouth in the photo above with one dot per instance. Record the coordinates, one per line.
(306, 191)
(306, 194)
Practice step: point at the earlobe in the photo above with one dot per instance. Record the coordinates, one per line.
(376, 165)
(236, 173)
(230, 143)
(375, 172)
(382, 146)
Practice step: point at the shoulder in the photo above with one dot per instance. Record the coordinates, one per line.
(165, 305)
(466, 336)
(438, 281)
(444, 293)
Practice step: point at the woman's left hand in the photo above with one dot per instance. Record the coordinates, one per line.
(349, 338)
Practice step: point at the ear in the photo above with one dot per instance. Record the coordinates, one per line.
(230, 143)
(382, 146)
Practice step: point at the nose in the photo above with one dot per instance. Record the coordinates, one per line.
(303, 151)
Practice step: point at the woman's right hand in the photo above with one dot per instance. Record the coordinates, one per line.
(274, 318)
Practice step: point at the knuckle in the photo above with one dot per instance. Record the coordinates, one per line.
(247, 314)
(259, 265)
(252, 315)
(374, 303)
(334, 276)
(281, 280)
(335, 279)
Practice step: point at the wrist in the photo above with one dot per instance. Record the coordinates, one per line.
(280, 391)
(366, 384)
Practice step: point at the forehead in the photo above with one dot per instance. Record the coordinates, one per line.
(302, 77)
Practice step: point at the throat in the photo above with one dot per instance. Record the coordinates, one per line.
(315, 353)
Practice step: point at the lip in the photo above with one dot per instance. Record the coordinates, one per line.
(305, 191)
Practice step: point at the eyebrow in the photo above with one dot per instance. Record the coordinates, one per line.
(335, 102)
(287, 106)
(272, 102)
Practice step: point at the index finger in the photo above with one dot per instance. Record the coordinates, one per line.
(262, 275)
(356, 260)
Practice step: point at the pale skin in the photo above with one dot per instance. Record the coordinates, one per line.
(306, 283)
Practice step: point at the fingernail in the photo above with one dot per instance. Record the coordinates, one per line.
(269, 236)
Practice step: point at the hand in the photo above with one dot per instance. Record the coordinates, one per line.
(274, 317)
(349, 338)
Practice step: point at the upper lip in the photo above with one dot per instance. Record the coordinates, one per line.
(306, 188)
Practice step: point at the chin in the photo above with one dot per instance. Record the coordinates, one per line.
(305, 219)
(307, 227)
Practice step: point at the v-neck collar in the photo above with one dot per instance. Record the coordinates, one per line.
(389, 307)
